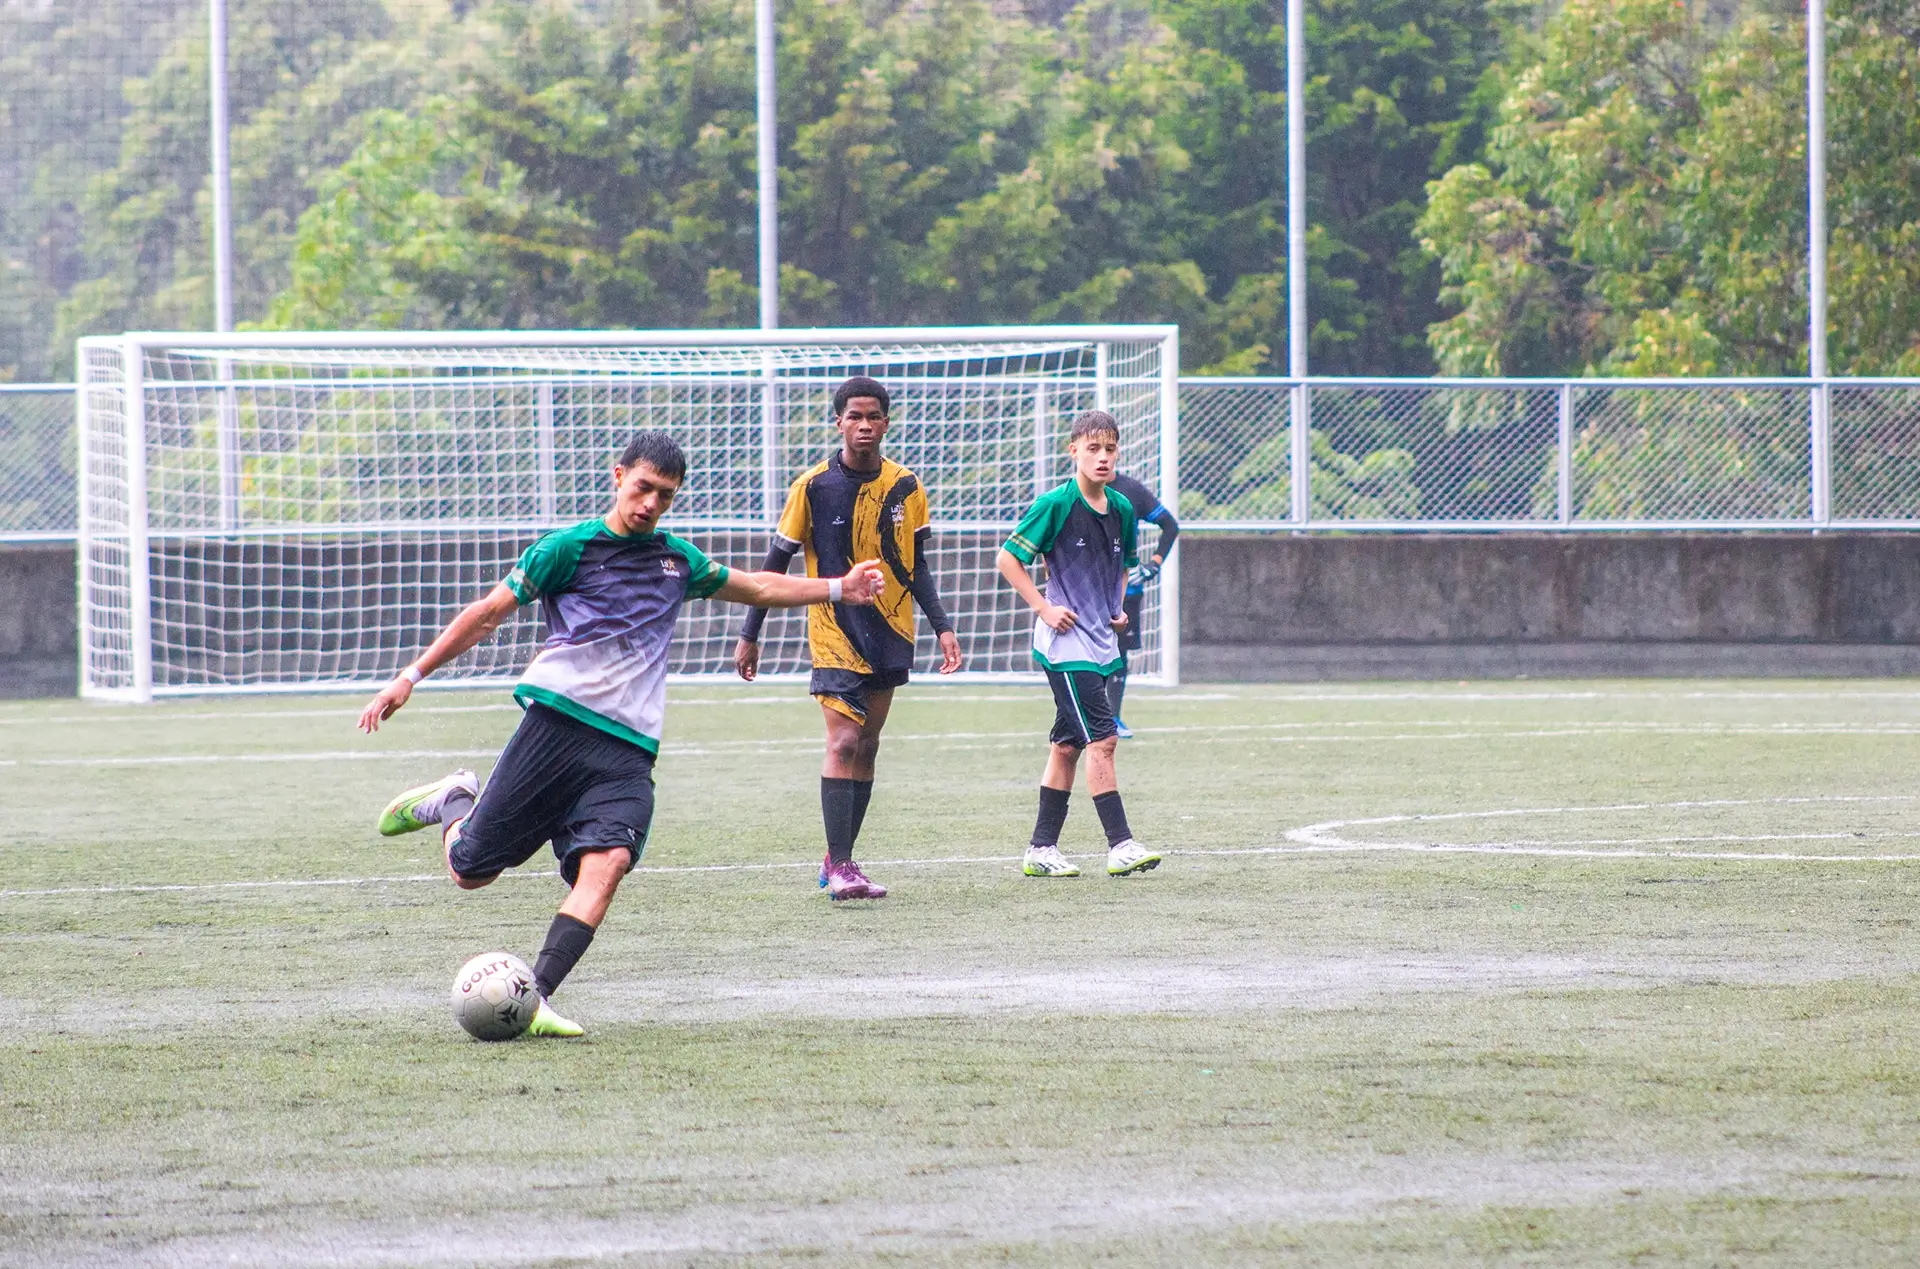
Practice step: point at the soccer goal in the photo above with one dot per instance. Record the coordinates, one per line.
(292, 512)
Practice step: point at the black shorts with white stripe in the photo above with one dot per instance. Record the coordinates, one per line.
(1083, 713)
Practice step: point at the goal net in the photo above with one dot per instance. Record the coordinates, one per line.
(286, 512)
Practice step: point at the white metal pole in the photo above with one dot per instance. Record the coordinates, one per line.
(546, 495)
(139, 566)
(1299, 451)
(1170, 498)
(1819, 400)
(1563, 452)
(83, 546)
(1042, 446)
(769, 159)
(1817, 188)
(222, 172)
(1296, 188)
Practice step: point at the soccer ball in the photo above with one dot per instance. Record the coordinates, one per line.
(494, 997)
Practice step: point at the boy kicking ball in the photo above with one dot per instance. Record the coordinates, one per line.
(1087, 532)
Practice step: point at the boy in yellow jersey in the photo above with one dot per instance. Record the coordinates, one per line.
(856, 505)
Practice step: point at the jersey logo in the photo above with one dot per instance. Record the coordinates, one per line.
(900, 513)
(666, 566)
(839, 519)
(1081, 542)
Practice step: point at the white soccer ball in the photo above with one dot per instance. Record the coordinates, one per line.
(494, 997)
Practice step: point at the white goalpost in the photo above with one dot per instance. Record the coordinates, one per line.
(298, 512)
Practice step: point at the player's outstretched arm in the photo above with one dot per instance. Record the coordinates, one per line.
(1059, 617)
(475, 622)
(863, 584)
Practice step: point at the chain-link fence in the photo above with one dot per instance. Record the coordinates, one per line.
(1263, 454)
(1406, 454)
(38, 485)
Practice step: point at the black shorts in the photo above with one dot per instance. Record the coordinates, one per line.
(561, 781)
(1083, 713)
(1130, 633)
(846, 690)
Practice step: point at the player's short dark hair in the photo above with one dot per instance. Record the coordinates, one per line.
(860, 386)
(1095, 423)
(657, 450)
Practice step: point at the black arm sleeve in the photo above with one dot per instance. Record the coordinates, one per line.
(779, 555)
(926, 592)
(1169, 530)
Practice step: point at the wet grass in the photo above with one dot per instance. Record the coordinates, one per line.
(1335, 1057)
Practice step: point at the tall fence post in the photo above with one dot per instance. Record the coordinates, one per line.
(139, 566)
(769, 442)
(227, 443)
(1299, 453)
(548, 496)
(1102, 368)
(1041, 449)
(1563, 452)
(1820, 451)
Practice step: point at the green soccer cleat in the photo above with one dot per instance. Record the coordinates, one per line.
(1128, 857)
(417, 808)
(1047, 861)
(552, 1026)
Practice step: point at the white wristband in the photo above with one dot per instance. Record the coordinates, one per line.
(412, 674)
(834, 590)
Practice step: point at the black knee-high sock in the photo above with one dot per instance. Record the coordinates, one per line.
(567, 941)
(1053, 816)
(862, 795)
(838, 799)
(1113, 817)
(1117, 686)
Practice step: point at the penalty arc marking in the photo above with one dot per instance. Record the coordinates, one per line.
(1330, 836)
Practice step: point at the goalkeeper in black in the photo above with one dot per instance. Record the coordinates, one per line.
(856, 505)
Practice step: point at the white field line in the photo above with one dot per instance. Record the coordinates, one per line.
(1313, 839)
(19, 715)
(1210, 734)
(1327, 838)
(160, 714)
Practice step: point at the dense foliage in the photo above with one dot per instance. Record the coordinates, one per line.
(424, 162)
(1615, 188)
(1642, 209)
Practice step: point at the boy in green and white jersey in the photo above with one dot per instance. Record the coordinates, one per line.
(578, 771)
(1087, 533)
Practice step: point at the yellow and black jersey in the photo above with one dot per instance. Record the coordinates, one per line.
(839, 517)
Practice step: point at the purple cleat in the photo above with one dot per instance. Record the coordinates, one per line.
(846, 881)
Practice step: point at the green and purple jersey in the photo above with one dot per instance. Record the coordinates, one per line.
(610, 602)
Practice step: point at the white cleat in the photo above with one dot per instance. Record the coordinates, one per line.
(1047, 861)
(419, 807)
(1128, 857)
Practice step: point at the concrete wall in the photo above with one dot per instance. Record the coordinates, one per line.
(1487, 605)
(1370, 606)
(39, 624)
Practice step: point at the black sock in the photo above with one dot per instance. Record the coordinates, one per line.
(862, 794)
(567, 941)
(456, 806)
(1053, 816)
(1113, 817)
(838, 798)
(1117, 688)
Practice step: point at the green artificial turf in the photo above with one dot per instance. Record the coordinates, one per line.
(1534, 973)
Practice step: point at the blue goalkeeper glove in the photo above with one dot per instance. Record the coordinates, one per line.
(1142, 573)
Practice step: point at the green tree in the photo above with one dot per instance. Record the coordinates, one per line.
(1643, 207)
